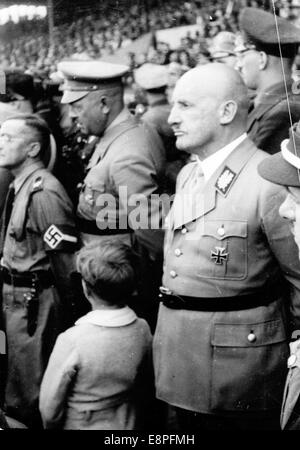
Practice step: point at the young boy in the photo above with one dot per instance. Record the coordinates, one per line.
(99, 374)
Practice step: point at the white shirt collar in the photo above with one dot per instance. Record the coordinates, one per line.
(213, 162)
(109, 317)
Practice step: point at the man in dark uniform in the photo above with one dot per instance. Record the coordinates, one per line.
(265, 59)
(231, 284)
(127, 164)
(38, 240)
(153, 78)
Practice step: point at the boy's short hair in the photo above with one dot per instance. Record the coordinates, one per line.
(108, 269)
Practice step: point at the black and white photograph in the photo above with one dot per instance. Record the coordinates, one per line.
(149, 218)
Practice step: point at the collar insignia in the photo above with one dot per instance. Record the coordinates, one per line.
(225, 181)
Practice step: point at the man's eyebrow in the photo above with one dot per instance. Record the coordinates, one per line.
(293, 195)
(183, 101)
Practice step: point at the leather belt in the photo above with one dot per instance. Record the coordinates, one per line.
(42, 278)
(90, 227)
(215, 304)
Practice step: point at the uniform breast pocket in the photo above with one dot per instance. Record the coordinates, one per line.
(223, 250)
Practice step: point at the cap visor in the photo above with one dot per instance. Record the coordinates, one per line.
(73, 96)
(278, 171)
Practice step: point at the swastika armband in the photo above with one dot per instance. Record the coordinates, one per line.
(57, 238)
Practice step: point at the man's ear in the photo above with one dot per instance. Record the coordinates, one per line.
(263, 60)
(227, 111)
(85, 288)
(35, 148)
(104, 104)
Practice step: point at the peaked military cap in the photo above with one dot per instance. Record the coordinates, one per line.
(284, 167)
(263, 31)
(82, 77)
(151, 76)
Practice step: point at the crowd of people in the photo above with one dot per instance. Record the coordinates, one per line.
(144, 284)
(114, 25)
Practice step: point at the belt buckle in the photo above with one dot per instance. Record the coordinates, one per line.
(175, 300)
(34, 280)
(164, 291)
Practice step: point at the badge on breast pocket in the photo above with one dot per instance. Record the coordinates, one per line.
(219, 255)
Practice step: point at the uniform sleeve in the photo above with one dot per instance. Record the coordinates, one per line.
(62, 368)
(54, 219)
(283, 247)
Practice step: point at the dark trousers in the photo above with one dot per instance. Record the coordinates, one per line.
(192, 421)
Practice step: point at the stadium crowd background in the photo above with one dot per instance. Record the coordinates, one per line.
(95, 32)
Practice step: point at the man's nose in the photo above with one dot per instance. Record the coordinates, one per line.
(238, 64)
(72, 113)
(286, 209)
(173, 117)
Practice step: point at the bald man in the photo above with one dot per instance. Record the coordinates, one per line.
(230, 294)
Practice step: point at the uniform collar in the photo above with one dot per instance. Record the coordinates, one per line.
(272, 93)
(213, 162)
(109, 317)
(121, 117)
(20, 180)
(159, 102)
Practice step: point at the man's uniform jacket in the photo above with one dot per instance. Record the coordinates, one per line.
(40, 236)
(207, 361)
(129, 156)
(125, 170)
(269, 121)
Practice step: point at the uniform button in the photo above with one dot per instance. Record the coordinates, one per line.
(251, 337)
(221, 231)
(184, 230)
(291, 361)
(173, 273)
(178, 252)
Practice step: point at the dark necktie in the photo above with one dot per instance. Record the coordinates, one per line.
(7, 214)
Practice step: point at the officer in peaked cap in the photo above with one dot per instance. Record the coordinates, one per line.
(284, 169)
(265, 57)
(153, 78)
(129, 156)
